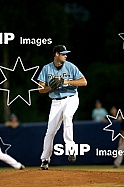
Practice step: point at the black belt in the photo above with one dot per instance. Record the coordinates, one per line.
(62, 97)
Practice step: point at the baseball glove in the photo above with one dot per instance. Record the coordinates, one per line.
(56, 82)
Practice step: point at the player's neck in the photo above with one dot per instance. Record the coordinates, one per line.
(57, 63)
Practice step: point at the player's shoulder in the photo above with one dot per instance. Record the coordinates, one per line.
(70, 64)
(94, 110)
(49, 65)
(104, 109)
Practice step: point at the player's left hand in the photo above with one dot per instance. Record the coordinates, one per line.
(56, 82)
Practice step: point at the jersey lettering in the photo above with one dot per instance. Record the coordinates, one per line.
(50, 76)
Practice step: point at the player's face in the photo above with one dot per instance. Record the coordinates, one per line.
(14, 119)
(62, 57)
(59, 59)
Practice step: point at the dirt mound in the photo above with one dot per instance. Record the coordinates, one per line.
(60, 178)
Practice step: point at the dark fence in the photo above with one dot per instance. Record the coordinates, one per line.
(27, 143)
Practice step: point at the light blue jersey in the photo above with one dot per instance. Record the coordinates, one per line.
(68, 72)
(99, 114)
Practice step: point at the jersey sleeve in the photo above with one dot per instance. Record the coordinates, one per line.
(105, 112)
(93, 113)
(77, 73)
(43, 76)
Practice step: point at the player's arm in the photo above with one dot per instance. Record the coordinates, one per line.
(78, 82)
(46, 89)
(7, 123)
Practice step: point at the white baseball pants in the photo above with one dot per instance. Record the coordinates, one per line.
(61, 110)
(119, 159)
(9, 160)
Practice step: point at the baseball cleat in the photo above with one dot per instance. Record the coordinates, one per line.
(22, 167)
(115, 166)
(45, 165)
(72, 158)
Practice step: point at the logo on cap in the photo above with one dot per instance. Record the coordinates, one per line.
(64, 47)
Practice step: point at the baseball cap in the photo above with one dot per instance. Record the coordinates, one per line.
(60, 49)
(98, 101)
(13, 116)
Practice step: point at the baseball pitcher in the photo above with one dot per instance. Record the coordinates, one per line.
(60, 79)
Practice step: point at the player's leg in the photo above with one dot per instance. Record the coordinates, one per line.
(11, 161)
(119, 159)
(54, 123)
(69, 109)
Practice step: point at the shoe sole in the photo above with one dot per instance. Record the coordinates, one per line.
(72, 159)
(45, 167)
(22, 167)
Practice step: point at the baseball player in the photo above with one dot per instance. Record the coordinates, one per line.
(60, 79)
(119, 159)
(9, 160)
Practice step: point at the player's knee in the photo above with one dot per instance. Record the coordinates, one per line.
(50, 134)
(67, 117)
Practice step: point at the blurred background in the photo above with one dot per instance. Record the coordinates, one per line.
(88, 28)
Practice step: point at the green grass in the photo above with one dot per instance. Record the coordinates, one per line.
(75, 167)
(87, 167)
